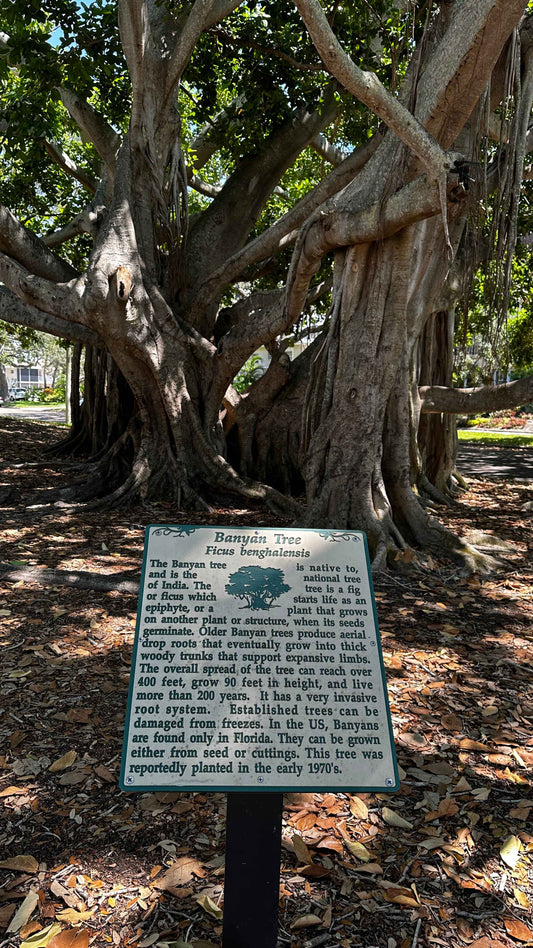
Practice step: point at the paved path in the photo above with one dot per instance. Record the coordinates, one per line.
(483, 460)
(34, 412)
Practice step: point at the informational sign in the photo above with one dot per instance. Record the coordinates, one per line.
(257, 664)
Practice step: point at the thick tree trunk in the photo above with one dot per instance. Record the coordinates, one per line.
(350, 390)
(437, 436)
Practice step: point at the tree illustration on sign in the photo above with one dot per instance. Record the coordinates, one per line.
(258, 585)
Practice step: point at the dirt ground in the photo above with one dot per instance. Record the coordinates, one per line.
(445, 861)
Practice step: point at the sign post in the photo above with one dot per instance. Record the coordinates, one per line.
(251, 878)
(257, 667)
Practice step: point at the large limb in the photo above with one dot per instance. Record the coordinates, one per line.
(366, 87)
(24, 246)
(257, 320)
(472, 401)
(65, 162)
(327, 151)
(84, 223)
(461, 65)
(13, 310)
(158, 44)
(64, 300)
(223, 228)
(285, 231)
(103, 136)
(334, 227)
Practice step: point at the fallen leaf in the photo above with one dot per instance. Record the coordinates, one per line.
(510, 851)
(30, 928)
(372, 867)
(209, 906)
(42, 938)
(464, 929)
(521, 898)
(517, 929)
(22, 916)
(178, 893)
(13, 791)
(400, 896)
(63, 762)
(447, 807)
(301, 850)
(180, 873)
(306, 822)
(358, 808)
(306, 921)
(72, 938)
(6, 911)
(315, 871)
(330, 843)
(412, 740)
(433, 842)
(358, 850)
(394, 819)
(450, 722)
(79, 715)
(481, 794)
(467, 744)
(20, 864)
(486, 943)
(72, 917)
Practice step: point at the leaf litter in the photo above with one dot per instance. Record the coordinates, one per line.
(445, 861)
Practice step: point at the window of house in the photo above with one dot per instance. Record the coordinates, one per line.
(30, 376)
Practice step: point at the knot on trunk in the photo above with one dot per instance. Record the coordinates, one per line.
(122, 283)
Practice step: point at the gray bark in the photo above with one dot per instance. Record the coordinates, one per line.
(474, 401)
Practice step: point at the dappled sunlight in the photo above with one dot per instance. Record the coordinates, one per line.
(447, 856)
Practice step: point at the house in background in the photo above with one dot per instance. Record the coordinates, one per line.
(24, 376)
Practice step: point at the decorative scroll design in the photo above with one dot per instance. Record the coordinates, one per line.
(336, 536)
(174, 531)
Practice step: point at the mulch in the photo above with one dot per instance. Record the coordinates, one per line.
(445, 861)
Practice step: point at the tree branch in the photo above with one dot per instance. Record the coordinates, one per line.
(24, 246)
(471, 401)
(197, 21)
(368, 89)
(284, 231)
(333, 227)
(202, 147)
(104, 138)
(462, 63)
(60, 157)
(13, 310)
(57, 299)
(221, 9)
(226, 223)
(327, 151)
(84, 223)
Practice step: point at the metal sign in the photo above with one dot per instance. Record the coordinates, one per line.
(257, 664)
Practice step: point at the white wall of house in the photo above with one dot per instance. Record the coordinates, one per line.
(24, 376)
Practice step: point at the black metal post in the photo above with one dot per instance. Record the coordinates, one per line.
(251, 886)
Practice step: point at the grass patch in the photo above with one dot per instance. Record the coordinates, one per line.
(510, 440)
